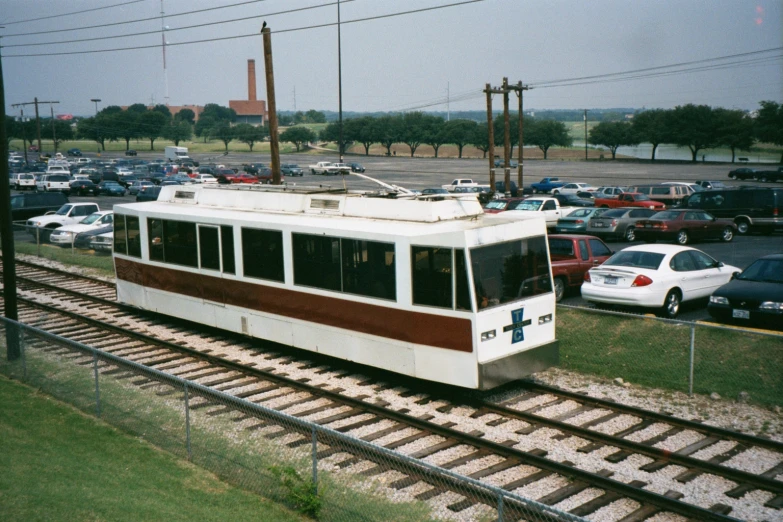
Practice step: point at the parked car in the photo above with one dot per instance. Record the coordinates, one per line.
(502, 204)
(356, 167)
(182, 179)
(572, 200)
(656, 276)
(711, 185)
(755, 296)
(26, 206)
(291, 169)
(66, 235)
(500, 162)
(73, 152)
(68, 214)
(137, 185)
(500, 188)
(618, 223)
(54, 183)
(253, 168)
(228, 176)
(609, 192)
(573, 188)
(684, 226)
(24, 181)
(743, 173)
(576, 221)
(111, 188)
(205, 179)
(33, 148)
(572, 256)
(130, 152)
(103, 242)
(83, 238)
(84, 187)
(751, 208)
(148, 194)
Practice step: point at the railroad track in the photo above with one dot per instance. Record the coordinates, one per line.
(526, 413)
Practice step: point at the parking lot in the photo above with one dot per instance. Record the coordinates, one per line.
(420, 173)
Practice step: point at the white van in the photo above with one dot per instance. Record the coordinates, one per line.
(177, 154)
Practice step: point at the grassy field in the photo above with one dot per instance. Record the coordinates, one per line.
(103, 263)
(60, 465)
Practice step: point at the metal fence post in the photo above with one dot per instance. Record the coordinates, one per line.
(38, 241)
(500, 507)
(187, 423)
(315, 461)
(97, 384)
(24, 355)
(693, 348)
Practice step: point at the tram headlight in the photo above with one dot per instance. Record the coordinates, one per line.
(545, 319)
(487, 336)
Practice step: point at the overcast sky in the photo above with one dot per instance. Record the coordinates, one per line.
(413, 61)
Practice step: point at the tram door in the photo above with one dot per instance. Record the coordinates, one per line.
(210, 260)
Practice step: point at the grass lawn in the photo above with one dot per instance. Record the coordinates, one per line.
(59, 464)
(103, 263)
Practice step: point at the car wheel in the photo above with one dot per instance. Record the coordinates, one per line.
(682, 237)
(728, 235)
(535, 191)
(732, 176)
(743, 227)
(555, 192)
(559, 289)
(764, 179)
(671, 305)
(630, 234)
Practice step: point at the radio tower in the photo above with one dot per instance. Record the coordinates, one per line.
(163, 39)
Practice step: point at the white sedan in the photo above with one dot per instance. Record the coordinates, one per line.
(65, 235)
(205, 178)
(656, 276)
(573, 188)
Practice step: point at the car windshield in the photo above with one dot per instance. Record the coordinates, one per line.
(110, 184)
(580, 213)
(499, 205)
(765, 271)
(92, 218)
(636, 258)
(642, 197)
(666, 215)
(530, 204)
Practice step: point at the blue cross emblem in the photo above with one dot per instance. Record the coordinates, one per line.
(518, 323)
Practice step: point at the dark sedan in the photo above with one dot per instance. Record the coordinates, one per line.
(290, 169)
(130, 152)
(684, 226)
(111, 188)
(755, 296)
(743, 173)
(149, 194)
(572, 200)
(83, 238)
(84, 187)
(356, 167)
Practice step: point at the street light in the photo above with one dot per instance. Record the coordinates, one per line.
(95, 100)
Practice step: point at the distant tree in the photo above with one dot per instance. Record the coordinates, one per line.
(769, 124)
(460, 133)
(163, 110)
(177, 131)
(733, 129)
(613, 134)
(56, 130)
(546, 133)
(284, 120)
(652, 127)
(126, 125)
(185, 115)
(91, 129)
(151, 125)
(111, 109)
(138, 108)
(480, 138)
(433, 132)
(298, 135)
(314, 116)
(213, 116)
(299, 117)
(360, 130)
(693, 126)
(413, 129)
(222, 131)
(249, 134)
(500, 132)
(332, 133)
(12, 130)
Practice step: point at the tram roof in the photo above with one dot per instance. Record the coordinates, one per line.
(322, 208)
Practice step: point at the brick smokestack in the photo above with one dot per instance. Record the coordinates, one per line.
(251, 80)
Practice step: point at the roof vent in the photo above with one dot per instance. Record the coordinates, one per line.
(325, 204)
(181, 194)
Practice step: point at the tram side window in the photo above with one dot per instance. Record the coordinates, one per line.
(209, 247)
(510, 271)
(133, 232)
(155, 232)
(461, 279)
(120, 247)
(262, 254)
(227, 238)
(317, 261)
(432, 278)
(368, 268)
(173, 242)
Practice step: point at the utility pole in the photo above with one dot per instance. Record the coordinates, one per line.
(341, 146)
(491, 136)
(54, 132)
(506, 140)
(274, 144)
(585, 118)
(13, 350)
(520, 89)
(37, 118)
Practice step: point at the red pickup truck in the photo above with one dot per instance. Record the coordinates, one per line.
(572, 256)
(629, 199)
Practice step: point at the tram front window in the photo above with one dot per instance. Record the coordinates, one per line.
(510, 271)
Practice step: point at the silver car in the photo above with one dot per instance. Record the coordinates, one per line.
(618, 223)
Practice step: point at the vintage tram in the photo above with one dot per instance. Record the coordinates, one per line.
(428, 287)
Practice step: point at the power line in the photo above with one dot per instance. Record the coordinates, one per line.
(73, 13)
(329, 24)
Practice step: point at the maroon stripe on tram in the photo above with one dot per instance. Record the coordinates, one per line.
(451, 333)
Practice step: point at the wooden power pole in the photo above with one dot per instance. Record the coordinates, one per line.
(274, 144)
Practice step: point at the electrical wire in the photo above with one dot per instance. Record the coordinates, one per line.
(72, 13)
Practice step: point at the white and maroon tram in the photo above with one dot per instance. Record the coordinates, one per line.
(436, 290)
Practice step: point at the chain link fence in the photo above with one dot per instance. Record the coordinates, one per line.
(321, 472)
(699, 358)
(86, 248)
